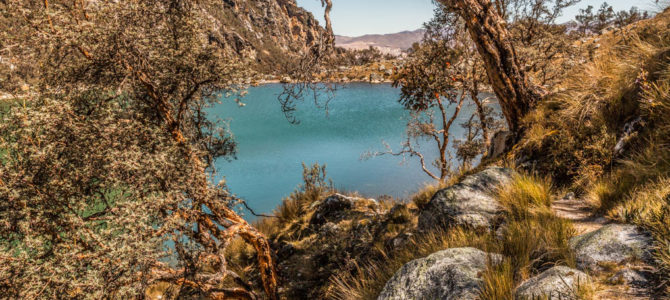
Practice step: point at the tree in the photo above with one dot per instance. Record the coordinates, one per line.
(624, 18)
(514, 38)
(590, 22)
(429, 97)
(438, 79)
(586, 19)
(107, 162)
(516, 94)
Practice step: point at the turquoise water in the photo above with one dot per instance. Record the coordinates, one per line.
(360, 116)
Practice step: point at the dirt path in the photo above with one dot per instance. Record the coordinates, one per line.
(585, 221)
(579, 213)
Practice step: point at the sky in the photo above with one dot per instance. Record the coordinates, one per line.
(360, 17)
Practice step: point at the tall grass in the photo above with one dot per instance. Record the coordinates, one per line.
(367, 279)
(573, 134)
(533, 240)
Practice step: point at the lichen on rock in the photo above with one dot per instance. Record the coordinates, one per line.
(613, 243)
(448, 274)
(559, 282)
(469, 203)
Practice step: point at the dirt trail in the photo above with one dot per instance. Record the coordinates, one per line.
(585, 221)
(579, 213)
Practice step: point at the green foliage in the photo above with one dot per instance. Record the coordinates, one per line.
(103, 182)
(595, 22)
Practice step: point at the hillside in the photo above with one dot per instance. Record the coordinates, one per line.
(394, 43)
(266, 30)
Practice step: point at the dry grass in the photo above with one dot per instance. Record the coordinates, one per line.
(498, 282)
(423, 196)
(533, 239)
(367, 280)
(573, 134)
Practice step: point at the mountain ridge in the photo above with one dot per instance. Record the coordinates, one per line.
(393, 43)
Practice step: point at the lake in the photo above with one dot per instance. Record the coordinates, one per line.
(271, 150)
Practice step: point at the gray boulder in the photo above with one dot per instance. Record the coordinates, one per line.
(556, 283)
(631, 277)
(499, 143)
(469, 203)
(447, 274)
(613, 244)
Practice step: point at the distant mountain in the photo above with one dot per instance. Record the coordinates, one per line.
(393, 43)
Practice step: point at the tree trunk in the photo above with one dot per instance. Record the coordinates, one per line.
(516, 94)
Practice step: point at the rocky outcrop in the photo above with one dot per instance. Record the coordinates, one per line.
(611, 244)
(556, 283)
(469, 203)
(448, 274)
(332, 234)
(337, 207)
(265, 30)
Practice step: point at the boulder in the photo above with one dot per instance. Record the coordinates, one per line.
(630, 277)
(611, 244)
(336, 207)
(447, 274)
(556, 283)
(468, 203)
(376, 78)
(499, 143)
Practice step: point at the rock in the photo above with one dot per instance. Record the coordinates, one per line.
(376, 78)
(447, 274)
(499, 143)
(469, 203)
(630, 130)
(631, 277)
(556, 283)
(614, 244)
(337, 206)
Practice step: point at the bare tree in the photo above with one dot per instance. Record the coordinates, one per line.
(432, 95)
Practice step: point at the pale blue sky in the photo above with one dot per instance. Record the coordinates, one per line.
(359, 17)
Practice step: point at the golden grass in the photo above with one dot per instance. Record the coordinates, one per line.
(524, 195)
(533, 239)
(498, 282)
(367, 279)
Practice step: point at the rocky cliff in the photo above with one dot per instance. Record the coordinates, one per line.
(268, 31)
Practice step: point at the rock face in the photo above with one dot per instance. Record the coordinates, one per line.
(265, 29)
(556, 283)
(448, 274)
(614, 243)
(467, 203)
